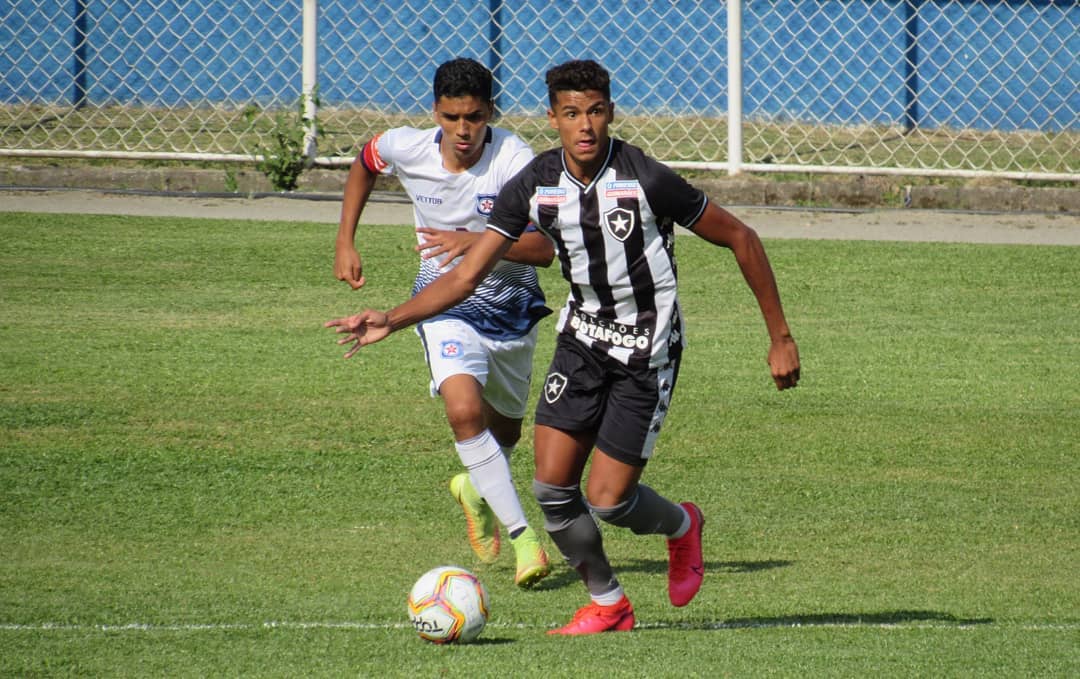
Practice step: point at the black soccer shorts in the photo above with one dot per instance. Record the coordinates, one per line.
(588, 391)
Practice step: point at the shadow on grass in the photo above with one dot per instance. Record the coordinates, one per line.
(883, 619)
(488, 641)
(565, 577)
(661, 565)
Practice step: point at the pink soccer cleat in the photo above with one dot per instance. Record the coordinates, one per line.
(594, 618)
(686, 566)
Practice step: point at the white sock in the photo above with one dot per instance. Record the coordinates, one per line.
(609, 598)
(490, 475)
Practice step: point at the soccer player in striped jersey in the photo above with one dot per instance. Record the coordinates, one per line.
(479, 352)
(611, 210)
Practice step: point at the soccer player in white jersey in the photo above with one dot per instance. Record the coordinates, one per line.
(612, 211)
(480, 351)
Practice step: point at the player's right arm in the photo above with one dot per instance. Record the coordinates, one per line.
(507, 223)
(361, 180)
(370, 326)
(533, 248)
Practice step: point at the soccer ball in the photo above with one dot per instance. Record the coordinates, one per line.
(448, 605)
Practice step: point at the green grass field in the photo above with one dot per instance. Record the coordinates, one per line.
(194, 483)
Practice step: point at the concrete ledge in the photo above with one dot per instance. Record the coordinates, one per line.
(857, 192)
(169, 179)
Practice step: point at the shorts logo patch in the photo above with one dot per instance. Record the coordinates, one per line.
(554, 386)
(485, 202)
(619, 222)
(450, 349)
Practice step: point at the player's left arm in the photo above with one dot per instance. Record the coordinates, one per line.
(720, 227)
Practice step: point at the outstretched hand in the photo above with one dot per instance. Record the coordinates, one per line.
(784, 363)
(367, 327)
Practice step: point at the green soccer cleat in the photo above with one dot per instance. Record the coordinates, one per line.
(483, 528)
(532, 561)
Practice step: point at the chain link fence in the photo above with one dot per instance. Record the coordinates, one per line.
(919, 87)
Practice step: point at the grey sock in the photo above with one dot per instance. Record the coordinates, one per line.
(646, 513)
(575, 533)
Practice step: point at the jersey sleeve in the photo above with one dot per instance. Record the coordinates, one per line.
(672, 196)
(377, 155)
(520, 156)
(510, 216)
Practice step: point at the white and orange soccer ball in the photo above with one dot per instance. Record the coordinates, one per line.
(448, 605)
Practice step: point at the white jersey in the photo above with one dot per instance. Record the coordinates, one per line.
(509, 301)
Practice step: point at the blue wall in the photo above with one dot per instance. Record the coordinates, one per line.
(832, 61)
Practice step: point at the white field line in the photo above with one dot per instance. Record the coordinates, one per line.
(225, 627)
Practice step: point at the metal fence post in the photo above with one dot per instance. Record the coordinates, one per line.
(911, 64)
(79, 48)
(495, 53)
(734, 54)
(310, 77)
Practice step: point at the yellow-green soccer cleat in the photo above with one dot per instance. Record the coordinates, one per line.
(532, 561)
(483, 528)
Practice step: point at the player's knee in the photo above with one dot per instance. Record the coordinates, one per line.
(645, 513)
(619, 514)
(465, 418)
(560, 504)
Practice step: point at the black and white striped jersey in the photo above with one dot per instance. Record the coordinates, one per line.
(616, 243)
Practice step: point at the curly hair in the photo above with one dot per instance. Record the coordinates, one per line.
(578, 76)
(463, 77)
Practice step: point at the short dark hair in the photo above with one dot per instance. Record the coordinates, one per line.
(578, 76)
(462, 77)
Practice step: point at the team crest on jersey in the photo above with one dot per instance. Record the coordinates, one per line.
(550, 195)
(554, 386)
(619, 222)
(450, 349)
(485, 202)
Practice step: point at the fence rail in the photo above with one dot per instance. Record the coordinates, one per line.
(916, 87)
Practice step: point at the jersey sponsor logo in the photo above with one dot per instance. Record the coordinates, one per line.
(622, 189)
(550, 195)
(554, 386)
(611, 332)
(450, 349)
(619, 222)
(428, 200)
(485, 202)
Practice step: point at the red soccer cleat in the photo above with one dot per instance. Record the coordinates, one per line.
(594, 618)
(686, 566)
